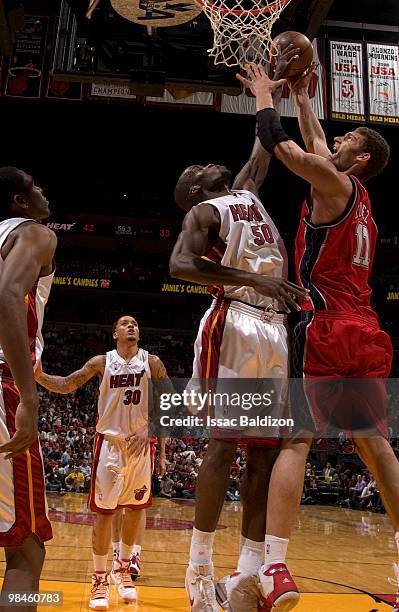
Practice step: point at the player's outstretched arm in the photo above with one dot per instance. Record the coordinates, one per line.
(28, 255)
(311, 129)
(334, 186)
(68, 384)
(254, 172)
(187, 261)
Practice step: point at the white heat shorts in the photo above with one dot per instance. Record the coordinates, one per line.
(238, 341)
(119, 478)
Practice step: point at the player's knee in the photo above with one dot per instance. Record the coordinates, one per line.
(374, 449)
(299, 446)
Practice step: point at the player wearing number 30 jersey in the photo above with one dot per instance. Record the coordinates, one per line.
(122, 463)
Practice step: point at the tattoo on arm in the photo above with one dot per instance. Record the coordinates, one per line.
(68, 384)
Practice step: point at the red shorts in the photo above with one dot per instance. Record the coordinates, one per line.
(23, 507)
(345, 360)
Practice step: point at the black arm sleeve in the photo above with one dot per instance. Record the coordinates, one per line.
(270, 132)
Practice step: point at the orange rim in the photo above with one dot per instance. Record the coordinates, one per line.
(260, 11)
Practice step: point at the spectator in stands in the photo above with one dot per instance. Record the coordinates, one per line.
(356, 491)
(310, 492)
(86, 471)
(75, 481)
(54, 480)
(167, 488)
(328, 472)
(188, 491)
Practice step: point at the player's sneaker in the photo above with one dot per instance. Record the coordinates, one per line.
(99, 594)
(277, 589)
(396, 583)
(221, 594)
(135, 569)
(238, 593)
(120, 575)
(200, 588)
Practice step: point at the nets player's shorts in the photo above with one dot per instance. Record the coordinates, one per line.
(23, 506)
(345, 360)
(238, 341)
(119, 479)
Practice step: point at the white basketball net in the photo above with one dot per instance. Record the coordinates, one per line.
(241, 35)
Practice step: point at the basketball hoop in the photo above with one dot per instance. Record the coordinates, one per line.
(242, 29)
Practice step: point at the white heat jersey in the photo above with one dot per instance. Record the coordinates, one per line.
(124, 393)
(249, 241)
(36, 299)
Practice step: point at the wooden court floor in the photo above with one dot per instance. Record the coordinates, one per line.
(341, 559)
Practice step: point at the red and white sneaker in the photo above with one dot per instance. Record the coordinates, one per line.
(200, 588)
(277, 589)
(135, 569)
(99, 594)
(120, 575)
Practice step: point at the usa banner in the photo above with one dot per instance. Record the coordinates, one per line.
(383, 73)
(347, 81)
(24, 78)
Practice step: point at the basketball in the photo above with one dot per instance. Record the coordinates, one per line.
(299, 41)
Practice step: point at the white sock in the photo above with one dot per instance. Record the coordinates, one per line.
(397, 540)
(100, 563)
(201, 547)
(125, 551)
(251, 557)
(115, 550)
(275, 550)
(137, 550)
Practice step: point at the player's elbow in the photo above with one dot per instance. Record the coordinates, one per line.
(177, 266)
(174, 267)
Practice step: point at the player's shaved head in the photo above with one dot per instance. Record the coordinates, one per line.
(12, 181)
(186, 181)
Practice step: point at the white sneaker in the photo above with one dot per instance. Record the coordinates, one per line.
(242, 592)
(200, 588)
(120, 575)
(99, 595)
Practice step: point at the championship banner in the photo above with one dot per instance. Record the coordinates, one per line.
(111, 90)
(77, 281)
(347, 81)
(245, 105)
(383, 77)
(25, 72)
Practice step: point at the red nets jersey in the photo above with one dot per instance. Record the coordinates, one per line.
(334, 260)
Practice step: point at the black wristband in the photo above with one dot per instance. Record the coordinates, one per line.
(270, 132)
